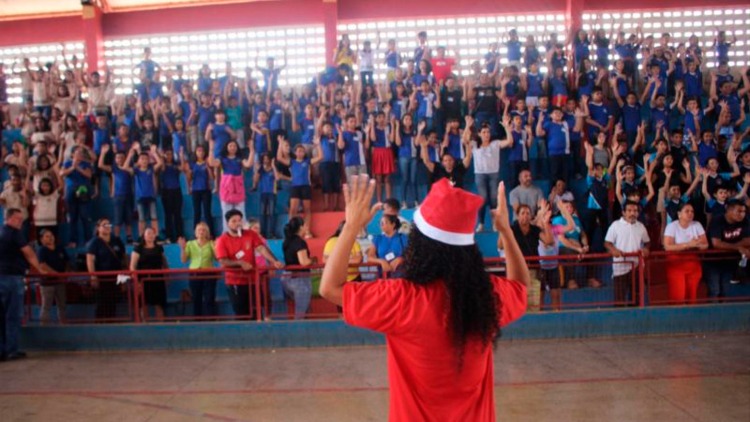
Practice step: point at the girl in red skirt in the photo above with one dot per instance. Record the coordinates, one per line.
(380, 134)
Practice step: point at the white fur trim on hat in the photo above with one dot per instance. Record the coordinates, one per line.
(451, 238)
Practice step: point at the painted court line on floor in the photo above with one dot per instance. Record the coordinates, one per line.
(353, 389)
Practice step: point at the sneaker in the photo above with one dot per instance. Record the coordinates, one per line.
(480, 228)
(734, 282)
(16, 356)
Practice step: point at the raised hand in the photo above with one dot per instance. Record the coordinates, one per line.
(501, 214)
(357, 199)
(181, 241)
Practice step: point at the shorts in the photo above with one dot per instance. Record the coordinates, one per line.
(330, 174)
(354, 171)
(532, 101)
(550, 278)
(301, 192)
(123, 210)
(382, 161)
(146, 203)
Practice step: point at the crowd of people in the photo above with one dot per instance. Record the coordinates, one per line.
(660, 138)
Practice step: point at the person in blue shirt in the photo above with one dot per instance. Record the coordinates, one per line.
(535, 85)
(265, 177)
(144, 179)
(722, 46)
(200, 185)
(602, 48)
(219, 133)
(388, 248)
(261, 135)
(598, 192)
(330, 165)
(301, 167)
(518, 159)
(557, 133)
(121, 179)
(514, 49)
(600, 118)
(586, 80)
(558, 87)
(693, 79)
(425, 103)
(531, 53)
(271, 74)
(405, 138)
(171, 195)
(148, 67)
(353, 143)
(491, 60)
(77, 173)
(630, 116)
(205, 114)
(581, 47)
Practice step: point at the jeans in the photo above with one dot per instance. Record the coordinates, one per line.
(204, 297)
(78, 211)
(226, 207)
(487, 188)
(239, 298)
(11, 311)
(299, 290)
(53, 294)
(268, 215)
(366, 78)
(172, 201)
(202, 209)
(408, 168)
(718, 275)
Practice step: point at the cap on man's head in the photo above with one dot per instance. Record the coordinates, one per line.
(448, 214)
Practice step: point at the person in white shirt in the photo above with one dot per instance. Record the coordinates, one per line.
(366, 64)
(626, 236)
(684, 270)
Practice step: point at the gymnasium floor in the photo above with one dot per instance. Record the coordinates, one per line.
(628, 379)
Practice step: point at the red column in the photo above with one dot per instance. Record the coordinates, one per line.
(574, 14)
(93, 37)
(330, 22)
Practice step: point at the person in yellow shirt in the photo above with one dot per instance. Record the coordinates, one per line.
(200, 254)
(355, 256)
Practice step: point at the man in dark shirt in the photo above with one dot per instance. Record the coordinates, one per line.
(105, 253)
(15, 256)
(450, 100)
(730, 232)
(449, 167)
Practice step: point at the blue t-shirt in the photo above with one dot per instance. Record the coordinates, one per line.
(170, 176)
(260, 140)
(148, 67)
(204, 83)
(588, 87)
(693, 84)
(179, 140)
(659, 115)
(627, 51)
(599, 113)
(221, 137)
(275, 117)
(514, 51)
(231, 166)
(308, 130)
(575, 233)
(300, 172)
(518, 151)
(75, 179)
(200, 179)
(123, 181)
(581, 49)
(390, 248)
(406, 149)
(425, 106)
(391, 59)
(205, 117)
(534, 81)
(558, 138)
(101, 137)
(722, 51)
(570, 119)
(454, 145)
(559, 86)
(266, 181)
(144, 183)
(631, 118)
(354, 154)
(330, 150)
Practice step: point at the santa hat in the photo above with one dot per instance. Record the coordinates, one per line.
(448, 214)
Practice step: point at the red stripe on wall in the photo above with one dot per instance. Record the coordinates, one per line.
(41, 31)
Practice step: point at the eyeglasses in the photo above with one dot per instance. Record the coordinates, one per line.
(106, 226)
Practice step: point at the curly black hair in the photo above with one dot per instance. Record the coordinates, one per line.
(474, 306)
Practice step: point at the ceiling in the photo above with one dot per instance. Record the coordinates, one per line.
(10, 9)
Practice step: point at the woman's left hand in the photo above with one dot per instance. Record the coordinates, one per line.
(358, 197)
